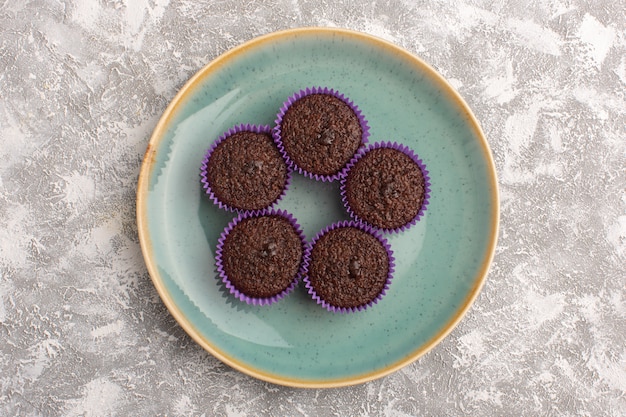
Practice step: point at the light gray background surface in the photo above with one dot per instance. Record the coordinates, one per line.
(83, 331)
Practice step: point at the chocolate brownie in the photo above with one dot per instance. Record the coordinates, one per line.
(261, 256)
(385, 188)
(247, 171)
(320, 133)
(348, 267)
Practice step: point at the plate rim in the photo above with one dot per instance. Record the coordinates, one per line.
(148, 164)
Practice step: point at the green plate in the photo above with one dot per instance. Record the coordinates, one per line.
(441, 262)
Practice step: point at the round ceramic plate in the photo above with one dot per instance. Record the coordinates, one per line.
(441, 262)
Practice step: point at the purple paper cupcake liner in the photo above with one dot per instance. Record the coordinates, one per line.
(220, 267)
(407, 151)
(303, 93)
(361, 226)
(205, 162)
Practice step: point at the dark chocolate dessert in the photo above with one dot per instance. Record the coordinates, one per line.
(386, 187)
(320, 132)
(245, 170)
(261, 255)
(349, 268)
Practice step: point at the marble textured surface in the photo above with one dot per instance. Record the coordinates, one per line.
(82, 330)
